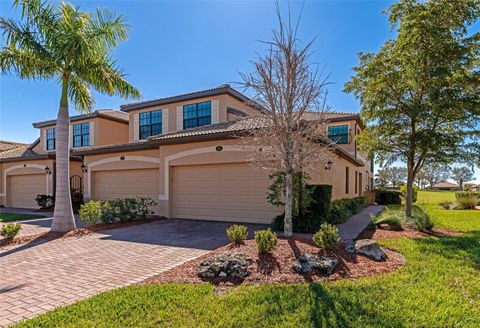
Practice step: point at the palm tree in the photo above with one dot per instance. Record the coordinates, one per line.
(73, 48)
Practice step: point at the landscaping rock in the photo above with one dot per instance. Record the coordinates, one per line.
(233, 265)
(323, 265)
(367, 247)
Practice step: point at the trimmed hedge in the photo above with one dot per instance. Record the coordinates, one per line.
(322, 210)
(116, 210)
(388, 197)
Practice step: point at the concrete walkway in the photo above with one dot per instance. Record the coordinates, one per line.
(356, 224)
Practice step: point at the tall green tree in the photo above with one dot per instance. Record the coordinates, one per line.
(461, 175)
(420, 93)
(71, 47)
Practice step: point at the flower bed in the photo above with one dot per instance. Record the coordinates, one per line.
(276, 267)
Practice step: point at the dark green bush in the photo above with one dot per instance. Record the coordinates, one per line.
(339, 211)
(10, 230)
(388, 197)
(326, 237)
(321, 199)
(45, 201)
(237, 233)
(266, 241)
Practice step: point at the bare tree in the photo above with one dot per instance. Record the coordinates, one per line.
(289, 134)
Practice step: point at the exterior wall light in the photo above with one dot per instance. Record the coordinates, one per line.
(122, 158)
(219, 148)
(48, 170)
(84, 168)
(328, 165)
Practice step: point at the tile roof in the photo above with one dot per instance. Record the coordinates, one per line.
(103, 113)
(446, 184)
(221, 89)
(248, 123)
(20, 151)
(7, 145)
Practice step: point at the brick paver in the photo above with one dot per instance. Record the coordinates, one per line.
(41, 276)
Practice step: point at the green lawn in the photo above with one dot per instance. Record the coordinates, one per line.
(438, 287)
(5, 217)
(435, 197)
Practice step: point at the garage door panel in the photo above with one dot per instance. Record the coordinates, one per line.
(227, 192)
(125, 183)
(23, 189)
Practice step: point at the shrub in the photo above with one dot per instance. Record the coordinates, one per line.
(326, 237)
(309, 223)
(266, 241)
(77, 200)
(420, 220)
(387, 197)
(237, 233)
(10, 230)
(467, 199)
(394, 219)
(415, 189)
(321, 199)
(45, 201)
(446, 205)
(91, 212)
(342, 209)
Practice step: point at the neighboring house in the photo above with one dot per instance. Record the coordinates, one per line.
(446, 186)
(181, 151)
(472, 187)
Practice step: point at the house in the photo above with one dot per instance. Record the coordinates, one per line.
(444, 185)
(182, 151)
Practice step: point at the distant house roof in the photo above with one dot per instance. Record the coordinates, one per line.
(222, 89)
(108, 114)
(446, 184)
(8, 145)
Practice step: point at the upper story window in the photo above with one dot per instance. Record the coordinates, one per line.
(150, 124)
(81, 135)
(197, 114)
(51, 139)
(338, 134)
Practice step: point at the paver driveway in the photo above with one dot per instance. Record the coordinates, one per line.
(40, 276)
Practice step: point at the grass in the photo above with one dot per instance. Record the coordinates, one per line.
(438, 287)
(5, 217)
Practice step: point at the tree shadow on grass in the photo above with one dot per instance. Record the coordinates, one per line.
(453, 247)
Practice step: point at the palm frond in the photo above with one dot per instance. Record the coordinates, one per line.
(27, 64)
(80, 95)
(109, 79)
(108, 29)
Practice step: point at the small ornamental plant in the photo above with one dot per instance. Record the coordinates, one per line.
(237, 233)
(326, 238)
(266, 241)
(10, 230)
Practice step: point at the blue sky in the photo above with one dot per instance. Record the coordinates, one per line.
(182, 46)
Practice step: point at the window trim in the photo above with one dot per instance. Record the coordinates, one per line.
(81, 135)
(197, 118)
(150, 125)
(332, 136)
(53, 139)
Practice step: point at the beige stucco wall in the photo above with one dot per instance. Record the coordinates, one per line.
(224, 101)
(105, 132)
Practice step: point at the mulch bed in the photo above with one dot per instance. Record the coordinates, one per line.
(385, 232)
(79, 232)
(276, 268)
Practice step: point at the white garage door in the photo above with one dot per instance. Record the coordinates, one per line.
(224, 192)
(125, 183)
(23, 189)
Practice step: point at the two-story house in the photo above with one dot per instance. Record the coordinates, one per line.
(181, 151)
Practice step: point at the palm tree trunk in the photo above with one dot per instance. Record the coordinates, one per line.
(63, 219)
